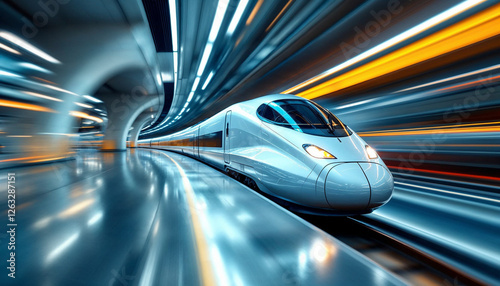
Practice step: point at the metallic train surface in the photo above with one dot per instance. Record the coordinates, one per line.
(279, 143)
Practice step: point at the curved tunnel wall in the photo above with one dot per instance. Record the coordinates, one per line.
(89, 56)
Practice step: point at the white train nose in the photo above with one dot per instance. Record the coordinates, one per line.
(381, 183)
(357, 186)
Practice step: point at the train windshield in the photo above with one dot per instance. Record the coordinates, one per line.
(303, 116)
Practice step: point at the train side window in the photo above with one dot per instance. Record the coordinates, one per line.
(303, 116)
(261, 111)
(267, 113)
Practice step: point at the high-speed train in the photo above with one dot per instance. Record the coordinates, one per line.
(292, 149)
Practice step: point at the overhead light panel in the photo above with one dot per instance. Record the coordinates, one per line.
(237, 16)
(173, 23)
(209, 78)
(204, 58)
(219, 16)
(195, 84)
(190, 97)
(214, 31)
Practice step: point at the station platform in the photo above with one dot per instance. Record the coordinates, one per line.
(150, 217)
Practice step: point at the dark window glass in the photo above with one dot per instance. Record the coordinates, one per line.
(271, 115)
(211, 140)
(303, 116)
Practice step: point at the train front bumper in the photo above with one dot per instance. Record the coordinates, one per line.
(357, 186)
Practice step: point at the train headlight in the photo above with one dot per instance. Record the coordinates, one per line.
(372, 154)
(317, 152)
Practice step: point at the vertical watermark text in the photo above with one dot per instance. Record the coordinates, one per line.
(11, 224)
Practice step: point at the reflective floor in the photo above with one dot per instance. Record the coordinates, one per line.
(148, 217)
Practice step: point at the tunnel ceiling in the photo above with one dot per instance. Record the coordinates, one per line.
(229, 51)
(158, 15)
(224, 47)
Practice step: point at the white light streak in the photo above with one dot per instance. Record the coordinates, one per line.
(9, 49)
(209, 78)
(83, 105)
(9, 74)
(173, 24)
(58, 250)
(42, 96)
(27, 46)
(91, 98)
(451, 78)
(237, 16)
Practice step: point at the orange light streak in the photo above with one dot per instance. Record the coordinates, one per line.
(446, 173)
(469, 84)
(85, 115)
(22, 105)
(479, 27)
(459, 128)
(434, 131)
(46, 159)
(279, 15)
(23, 158)
(254, 12)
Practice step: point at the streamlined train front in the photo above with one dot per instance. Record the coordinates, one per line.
(331, 167)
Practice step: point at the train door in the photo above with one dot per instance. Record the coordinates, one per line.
(193, 151)
(197, 150)
(227, 141)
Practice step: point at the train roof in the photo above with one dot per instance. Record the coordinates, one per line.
(272, 97)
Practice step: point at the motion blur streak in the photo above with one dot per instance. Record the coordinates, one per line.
(474, 29)
(444, 173)
(23, 158)
(279, 15)
(472, 83)
(451, 78)
(449, 192)
(46, 159)
(85, 115)
(438, 129)
(42, 96)
(27, 46)
(254, 12)
(9, 49)
(26, 106)
(392, 42)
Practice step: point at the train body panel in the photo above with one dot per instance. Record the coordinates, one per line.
(277, 156)
(244, 141)
(212, 140)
